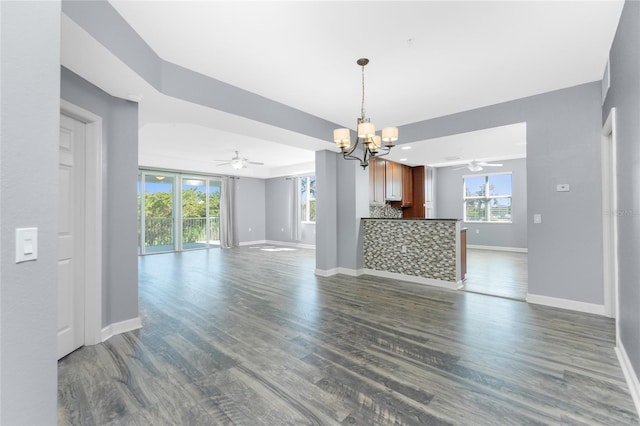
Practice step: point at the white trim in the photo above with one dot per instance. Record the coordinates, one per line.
(610, 218)
(414, 279)
(326, 272)
(497, 248)
(572, 305)
(252, 243)
(93, 220)
(629, 374)
(339, 270)
(120, 327)
(285, 243)
(351, 272)
(278, 243)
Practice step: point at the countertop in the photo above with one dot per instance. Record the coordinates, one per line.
(410, 218)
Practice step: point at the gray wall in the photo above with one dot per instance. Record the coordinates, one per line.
(326, 211)
(29, 133)
(250, 196)
(279, 217)
(563, 146)
(119, 212)
(352, 204)
(624, 95)
(449, 204)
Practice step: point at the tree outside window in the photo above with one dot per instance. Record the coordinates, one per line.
(308, 199)
(487, 198)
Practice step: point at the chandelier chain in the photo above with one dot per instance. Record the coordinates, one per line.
(362, 112)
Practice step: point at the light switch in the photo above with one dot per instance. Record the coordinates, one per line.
(537, 218)
(563, 187)
(26, 244)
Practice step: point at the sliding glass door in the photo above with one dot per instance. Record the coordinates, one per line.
(181, 212)
(194, 213)
(157, 233)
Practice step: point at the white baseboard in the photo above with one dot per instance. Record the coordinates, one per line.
(350, 272)
(414, 279)
(629, 374)
(285, 243)
(326, 272)
(120, 327)
(392, 275)
(572, 305)
(496, 248)
(339, 270)
(252, 243)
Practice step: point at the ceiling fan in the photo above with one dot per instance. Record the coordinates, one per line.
(476, 166)
(238, 162)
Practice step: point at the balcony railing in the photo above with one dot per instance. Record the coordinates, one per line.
(159, 231)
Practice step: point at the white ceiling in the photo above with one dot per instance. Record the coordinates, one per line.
(428, 59)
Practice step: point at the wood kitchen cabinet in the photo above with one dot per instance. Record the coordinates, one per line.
(376, 181)
(407, 186)
(393, 178)
(416, 210)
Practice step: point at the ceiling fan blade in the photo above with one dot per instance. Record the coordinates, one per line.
(491, 165)
(257, 164)
(223, 164)
(460, 168)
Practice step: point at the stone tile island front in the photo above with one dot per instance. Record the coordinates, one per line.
(427, 251)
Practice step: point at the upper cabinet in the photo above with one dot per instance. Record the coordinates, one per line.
(401, 185)
(393, 176)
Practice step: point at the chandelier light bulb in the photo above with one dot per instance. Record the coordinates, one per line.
(366, 130)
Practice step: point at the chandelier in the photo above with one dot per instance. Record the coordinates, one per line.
(366, 135)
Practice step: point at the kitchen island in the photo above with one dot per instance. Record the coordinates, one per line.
(428, 251)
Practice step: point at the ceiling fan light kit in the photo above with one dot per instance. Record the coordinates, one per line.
(238, 162)
(476, 166)
(366, 135)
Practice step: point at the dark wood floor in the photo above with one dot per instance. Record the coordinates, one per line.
(498, 273)
(247, 336)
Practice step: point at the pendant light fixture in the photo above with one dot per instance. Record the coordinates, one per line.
(371, 144)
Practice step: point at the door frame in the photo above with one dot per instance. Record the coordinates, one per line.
(610, 218)
(93, 220)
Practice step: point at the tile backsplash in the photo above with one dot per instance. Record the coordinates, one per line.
(385, 211)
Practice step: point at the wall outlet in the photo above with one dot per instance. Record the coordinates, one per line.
(477, 231)
(537, 218)
(249, 229)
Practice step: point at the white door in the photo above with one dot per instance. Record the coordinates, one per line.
(71, 207)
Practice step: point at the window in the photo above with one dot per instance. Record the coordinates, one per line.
(487, 198)
(308, 199)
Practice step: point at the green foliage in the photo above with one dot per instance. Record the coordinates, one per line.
(158, 204)
(159, 214)
(194, 203)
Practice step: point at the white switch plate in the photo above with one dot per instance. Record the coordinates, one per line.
(26, 244)
(537, 218)
(563, 187)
